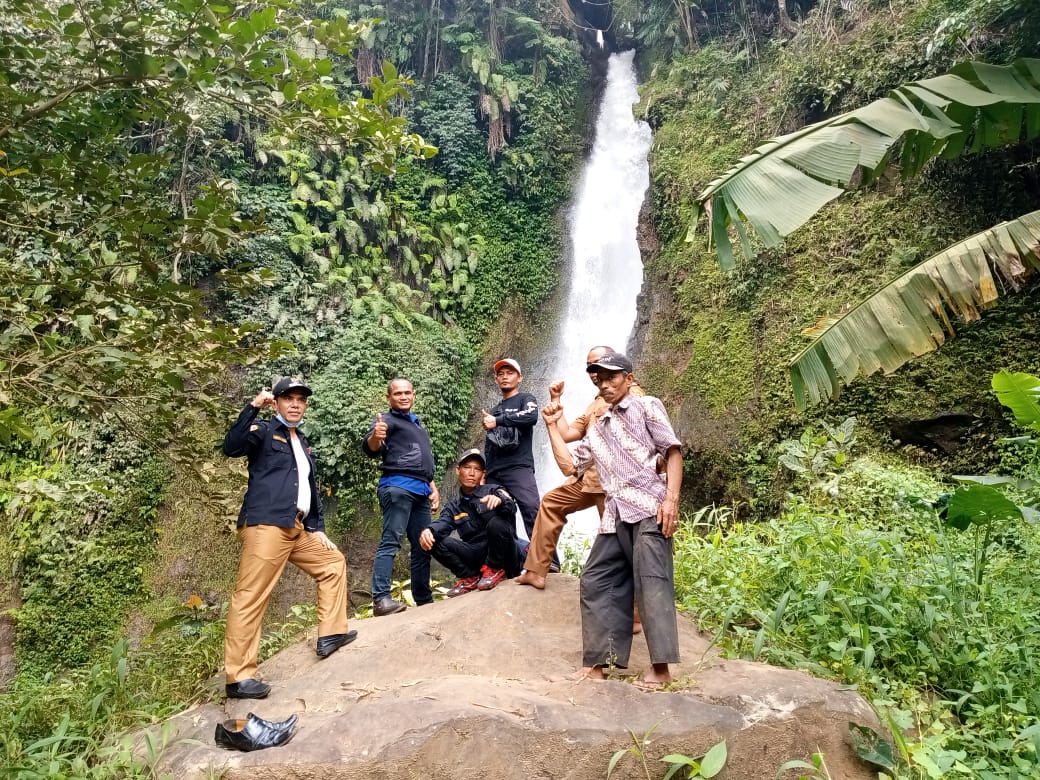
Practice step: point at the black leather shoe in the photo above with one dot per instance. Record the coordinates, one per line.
(327, 645)
(254, 733)
(247, 689)
(387, 606)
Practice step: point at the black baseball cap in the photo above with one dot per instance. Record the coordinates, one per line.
(612, 361)
(289, 384)
(473, 453)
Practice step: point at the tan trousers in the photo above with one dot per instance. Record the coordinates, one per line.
(265, 550)
(552, 517)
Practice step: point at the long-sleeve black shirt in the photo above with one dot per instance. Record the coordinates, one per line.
(469, 517)
(520, 412)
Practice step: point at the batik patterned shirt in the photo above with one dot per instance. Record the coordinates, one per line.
(624, 445)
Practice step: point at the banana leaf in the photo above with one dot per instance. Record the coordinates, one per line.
(785, 181)
(914, 313)
(1021, 394)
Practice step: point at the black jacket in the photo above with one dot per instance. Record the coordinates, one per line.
(406, 450)
(273, 476)
(520, 412)
(466, 515)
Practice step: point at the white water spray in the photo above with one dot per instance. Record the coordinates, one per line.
(606, 267)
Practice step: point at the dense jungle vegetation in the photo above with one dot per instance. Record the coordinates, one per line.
(196, 197)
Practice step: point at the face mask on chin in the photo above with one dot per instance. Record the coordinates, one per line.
(285, 422)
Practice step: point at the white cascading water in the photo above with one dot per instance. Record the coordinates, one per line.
(606, 270)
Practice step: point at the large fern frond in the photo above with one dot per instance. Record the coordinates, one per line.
(785, 181)
(912, 314)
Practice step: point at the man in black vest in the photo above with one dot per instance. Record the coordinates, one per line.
(407, 494)
(281, 520)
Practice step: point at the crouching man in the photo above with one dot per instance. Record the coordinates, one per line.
(485, 550)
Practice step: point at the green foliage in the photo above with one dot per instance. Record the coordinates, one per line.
(79, 537)
(85, 724)
(729, 334)
(1021, 394)
(969, 24)
(818, 768)
(815, 454)
(960, 281)
(974, 107)
(379, 248)
(97, 109)
(444, 110)
(865, 584)
(709, 765)
(70, 728)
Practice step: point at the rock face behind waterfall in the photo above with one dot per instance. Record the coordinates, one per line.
(478, 687)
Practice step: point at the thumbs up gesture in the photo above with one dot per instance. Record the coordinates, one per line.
(380, 428)
(488, 420)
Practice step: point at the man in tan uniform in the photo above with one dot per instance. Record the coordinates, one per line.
(281, 521)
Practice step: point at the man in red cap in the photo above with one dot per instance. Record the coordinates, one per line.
(281, 520)
(509, 436)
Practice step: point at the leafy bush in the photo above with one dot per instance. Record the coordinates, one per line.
(80, 724)
(868, 587)
(80, 552)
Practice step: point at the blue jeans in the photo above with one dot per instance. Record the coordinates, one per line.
(403, 511)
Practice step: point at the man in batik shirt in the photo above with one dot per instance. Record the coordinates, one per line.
(632, 554)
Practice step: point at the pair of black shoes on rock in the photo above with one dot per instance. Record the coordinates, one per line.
(255, 689)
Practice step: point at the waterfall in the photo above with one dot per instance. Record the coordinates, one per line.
(606, 270)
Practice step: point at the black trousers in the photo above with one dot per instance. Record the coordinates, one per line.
(498, 550)
(637, 560)
(521, 484)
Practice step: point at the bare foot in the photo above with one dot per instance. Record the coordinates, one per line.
(589, 673)
(532, 579)
(658, 676)
(637, 628)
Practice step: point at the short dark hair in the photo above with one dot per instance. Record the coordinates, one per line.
(390, 384)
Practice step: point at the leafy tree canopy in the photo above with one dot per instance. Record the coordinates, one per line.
(100, 210)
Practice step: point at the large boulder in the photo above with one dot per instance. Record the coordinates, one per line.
(479, 686)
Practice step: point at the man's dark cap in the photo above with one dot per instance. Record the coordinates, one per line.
(612, 361)
(468, 454)
(289, 384)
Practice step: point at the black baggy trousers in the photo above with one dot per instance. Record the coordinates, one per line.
(637, 560)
